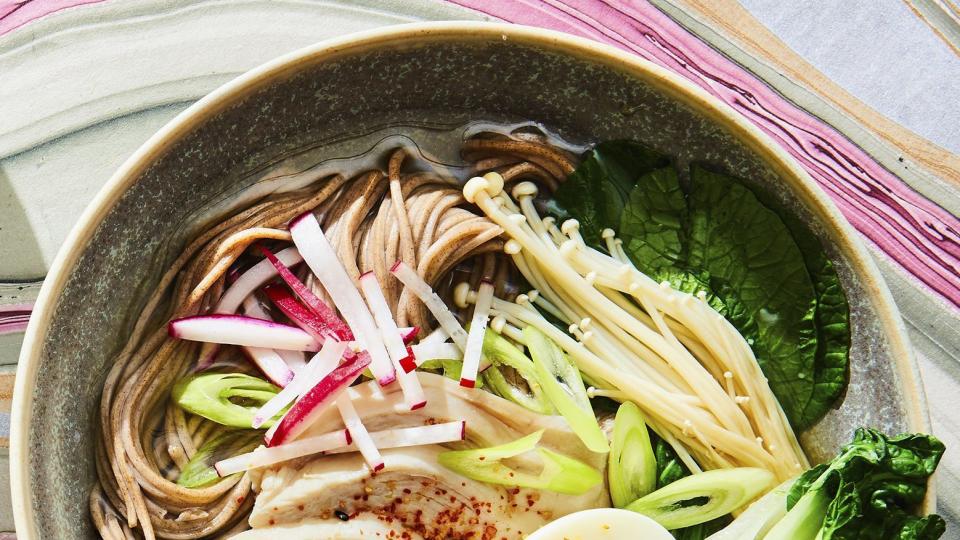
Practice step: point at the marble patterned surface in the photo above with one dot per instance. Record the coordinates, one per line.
(68, 124)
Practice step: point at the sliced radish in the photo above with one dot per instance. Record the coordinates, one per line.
(384, 319)
(312, 404)
(437, 336)
(270, 364)
(263, 457)
(300, 314)
(340, 441)
(478, 326)
(241, 287)
(327, 315)
(413, 436)
(413, 394)
(268, 361)
(358, 432)
(435, 351)
(253, 308)
(392, 339)
(242, 330)
(434, 303)
(293, 359)
(253, 279)
(409, 334)
(319, 367)
(409, 363)
(321, 258)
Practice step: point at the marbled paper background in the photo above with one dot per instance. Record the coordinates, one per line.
(864, 93)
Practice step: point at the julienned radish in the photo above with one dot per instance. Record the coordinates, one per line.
(319, 367)
(312, 404)
(323, 261)
(322, 311)
(340, 441)
(302, 316)
(269, 361)
(242, 330)
(478, 326)
(393, 340)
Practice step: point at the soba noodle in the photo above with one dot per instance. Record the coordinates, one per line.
(372, 219)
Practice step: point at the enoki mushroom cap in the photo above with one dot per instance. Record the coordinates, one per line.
(461, 293)
(524, 189)
(570, 226)
(490, 183)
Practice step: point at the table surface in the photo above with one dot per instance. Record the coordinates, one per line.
(878, 81)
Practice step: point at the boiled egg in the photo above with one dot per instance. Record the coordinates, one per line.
(602, 524)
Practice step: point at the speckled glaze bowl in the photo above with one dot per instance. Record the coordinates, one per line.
(426, 74)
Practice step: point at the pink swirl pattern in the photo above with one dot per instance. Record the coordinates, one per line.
(14, 318)
(916, 233)
(14, 14)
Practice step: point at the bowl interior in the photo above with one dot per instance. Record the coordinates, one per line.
(413, 81)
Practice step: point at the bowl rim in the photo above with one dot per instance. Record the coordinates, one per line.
(219, 99)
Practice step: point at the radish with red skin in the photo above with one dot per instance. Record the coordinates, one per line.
(264, 457)
(478, 326)
(312, 404)
(241, 287)
(319, 367)
(414, 436)
(338, 442)
(409, 362)
(300, 314)
(358, 432)
(409, 383)
(253, 279)
(268, 361)
(383, 317)
(326, 314)
(408, 334)
(310, 323)
(294, 359)
(242, 330)
(322, 260)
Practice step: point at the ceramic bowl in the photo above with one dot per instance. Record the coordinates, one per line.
(438, 74)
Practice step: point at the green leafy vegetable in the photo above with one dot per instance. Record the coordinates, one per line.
(632, 470)
(562, 384)
(762, 269)
(597, 191)
(870, 491)
(702, 497)
(560, 473)
(745, 245)
(200, 471)
(669, 467)
(652, 223)
(230, 399)
(831, 320)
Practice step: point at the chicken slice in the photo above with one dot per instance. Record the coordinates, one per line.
(414, 496)
(358, 528)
